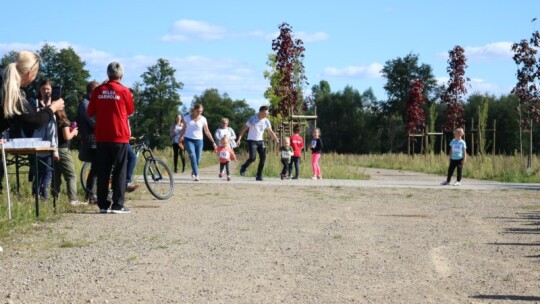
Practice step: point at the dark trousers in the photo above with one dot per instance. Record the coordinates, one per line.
(295, 160)
(92, 174)
(226, 167)
(286, 167)
(455, 163)
(112, 157)
(177, 151)
(131, 163)
(255, 147)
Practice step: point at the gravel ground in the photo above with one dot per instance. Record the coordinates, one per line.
(398, 238)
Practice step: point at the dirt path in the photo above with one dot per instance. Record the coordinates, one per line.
(398, 238)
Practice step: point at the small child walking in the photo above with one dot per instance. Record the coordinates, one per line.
(286, 151)
(316, 148)
(297, 143)
(458, 157)
(225, 154)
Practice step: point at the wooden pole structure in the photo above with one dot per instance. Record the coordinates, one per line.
(494, 134)
(472, 136)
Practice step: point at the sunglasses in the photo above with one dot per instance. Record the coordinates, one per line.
(37, 61)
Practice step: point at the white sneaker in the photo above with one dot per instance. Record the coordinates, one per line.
(457, 184)
(444, 183)
(314, 177)
(77, 203)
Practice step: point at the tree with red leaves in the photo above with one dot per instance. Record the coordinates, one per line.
(457, 63)
(289, 65)
(416, 117)
(527, 88)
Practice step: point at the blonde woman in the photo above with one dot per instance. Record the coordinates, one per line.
(14, 107)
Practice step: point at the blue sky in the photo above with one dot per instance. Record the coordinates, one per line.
(225, 44)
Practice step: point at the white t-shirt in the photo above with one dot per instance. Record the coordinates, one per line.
(194, 129)
(257, 127)
(220, 132)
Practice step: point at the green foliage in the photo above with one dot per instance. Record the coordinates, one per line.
(157, 103)
(64, 67)
(483, 108)
(399, 73)
(274, 77)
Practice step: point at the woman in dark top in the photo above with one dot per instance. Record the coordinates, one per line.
(14, 107)
(65, 166)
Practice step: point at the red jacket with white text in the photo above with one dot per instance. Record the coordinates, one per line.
(111, 103)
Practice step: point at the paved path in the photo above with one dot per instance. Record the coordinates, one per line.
(379, 178)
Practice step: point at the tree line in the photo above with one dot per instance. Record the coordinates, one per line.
(351, 121)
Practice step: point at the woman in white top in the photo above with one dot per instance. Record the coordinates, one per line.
(192, 136)
(223, 131)
(178, 146)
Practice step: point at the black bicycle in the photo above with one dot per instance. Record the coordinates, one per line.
(157, 175)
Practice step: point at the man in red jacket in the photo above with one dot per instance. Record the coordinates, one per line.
(110, 104)
(297, 143)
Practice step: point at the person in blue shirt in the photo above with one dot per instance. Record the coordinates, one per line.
(458, 157)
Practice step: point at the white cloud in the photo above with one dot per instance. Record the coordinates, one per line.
(305, 37)
(492, 51)
(489, 52)
(370, 71)
(199, 29)
(187, 30)
(478, 85)
(443, 80)
(481, 86)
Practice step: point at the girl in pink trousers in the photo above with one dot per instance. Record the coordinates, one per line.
(316, 147)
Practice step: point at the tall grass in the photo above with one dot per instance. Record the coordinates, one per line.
(489, 167)
(333, 166)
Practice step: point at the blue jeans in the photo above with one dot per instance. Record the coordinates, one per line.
(131, 162)
(194, 148)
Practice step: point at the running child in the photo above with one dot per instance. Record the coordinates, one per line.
(225, 153)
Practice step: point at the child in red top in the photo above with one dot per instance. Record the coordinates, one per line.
(225, 154)
(297, 143)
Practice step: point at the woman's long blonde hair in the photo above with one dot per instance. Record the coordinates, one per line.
(12, 98)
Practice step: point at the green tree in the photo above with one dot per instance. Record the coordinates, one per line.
(320, 90)
(343, 122)
(399, 73)
(157, 102)
(7, 59)
(274, 77)
(64, 67)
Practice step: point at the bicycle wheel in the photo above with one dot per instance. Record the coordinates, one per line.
(158, 178)
(85, 170)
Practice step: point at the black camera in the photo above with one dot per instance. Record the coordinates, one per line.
(56, 93)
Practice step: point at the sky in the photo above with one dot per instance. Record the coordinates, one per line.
(224, 45)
